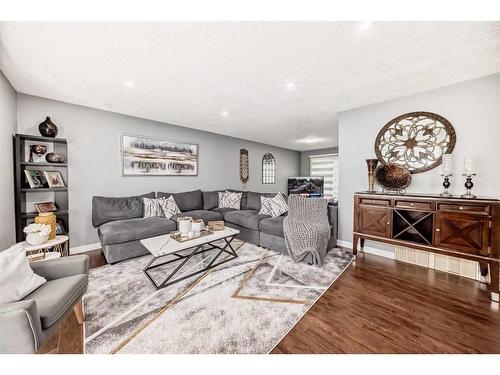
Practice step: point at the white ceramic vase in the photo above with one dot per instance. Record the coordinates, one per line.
(36, 239)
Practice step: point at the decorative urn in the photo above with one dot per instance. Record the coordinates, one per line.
(48, 128)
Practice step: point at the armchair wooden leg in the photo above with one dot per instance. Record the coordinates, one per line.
(79, 312)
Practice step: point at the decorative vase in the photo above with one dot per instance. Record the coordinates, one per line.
(48, 128)
(54, 157)
(38, 150)
(50, 219)
(393, 177)
(36, 239)
(371, 164)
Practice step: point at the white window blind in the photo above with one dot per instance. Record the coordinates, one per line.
(326, 166)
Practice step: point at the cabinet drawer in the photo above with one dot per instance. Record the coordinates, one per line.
(465, 208)
(414, 204)
(376, 202)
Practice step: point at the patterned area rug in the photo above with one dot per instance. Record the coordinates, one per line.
(246, 305)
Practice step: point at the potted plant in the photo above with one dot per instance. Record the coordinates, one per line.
(37, 234)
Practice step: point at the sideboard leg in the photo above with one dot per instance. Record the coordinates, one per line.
(355, 240)
(362, 243)
(494, 277)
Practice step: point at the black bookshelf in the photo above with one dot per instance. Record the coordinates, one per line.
(26, 196)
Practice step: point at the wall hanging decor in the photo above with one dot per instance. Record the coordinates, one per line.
(393, 177)
(48, 128)
(244, 168)
(268, 169)
(417, 140)
(145, 156)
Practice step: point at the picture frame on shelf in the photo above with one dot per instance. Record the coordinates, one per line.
(42, 207)
(34, 178)
(60, 228)
(54, 179)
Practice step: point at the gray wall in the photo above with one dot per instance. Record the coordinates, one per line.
(7, 129)
(304, 158)
(95, 163)
(473, 108)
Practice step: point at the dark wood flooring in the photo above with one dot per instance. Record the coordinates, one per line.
(377, 306)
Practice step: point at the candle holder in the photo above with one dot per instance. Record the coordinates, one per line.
(371, 164)
(446, 185)
(468, 185)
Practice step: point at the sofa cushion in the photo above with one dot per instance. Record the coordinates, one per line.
(55, 297)
(106, 209)
(134, 229)
(243, 203)
(187, 201)
(204, 215)
(253, 200)
(223, 210)
(210, 199)
(246, 218)
(230, 199)
(273, 226)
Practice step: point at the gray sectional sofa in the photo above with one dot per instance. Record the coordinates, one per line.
(120, 223)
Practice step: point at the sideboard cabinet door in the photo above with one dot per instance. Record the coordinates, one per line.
(375, 221)
(467, 233)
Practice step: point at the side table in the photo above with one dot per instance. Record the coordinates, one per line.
(60, 245)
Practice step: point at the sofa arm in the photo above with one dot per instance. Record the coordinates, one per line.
(53, 269)
(20, 326)
(333, 219)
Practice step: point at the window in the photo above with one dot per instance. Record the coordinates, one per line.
(268, 169)
(326, 166)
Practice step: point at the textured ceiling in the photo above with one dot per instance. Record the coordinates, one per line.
(231, 78)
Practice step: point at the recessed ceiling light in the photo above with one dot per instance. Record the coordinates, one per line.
(310, 140)
(224, 113)
(365, 26)
(291, 86)
(129, 83)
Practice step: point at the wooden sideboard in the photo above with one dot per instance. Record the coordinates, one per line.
(463, 228)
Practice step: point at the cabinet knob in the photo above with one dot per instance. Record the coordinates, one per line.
(388, 223)
(461, 208)
(411, 204)
(438, 230)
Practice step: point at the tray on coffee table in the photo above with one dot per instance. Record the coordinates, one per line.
(185, 238)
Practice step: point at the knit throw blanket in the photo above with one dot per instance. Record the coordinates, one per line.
(306, 228)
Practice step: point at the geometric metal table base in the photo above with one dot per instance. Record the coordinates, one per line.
(227, 248)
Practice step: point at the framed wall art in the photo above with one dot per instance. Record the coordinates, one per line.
(145, 156)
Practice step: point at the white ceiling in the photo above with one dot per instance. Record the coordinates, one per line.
(190, 73)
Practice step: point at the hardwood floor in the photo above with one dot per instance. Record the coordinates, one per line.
(382, 306)
(377, 306)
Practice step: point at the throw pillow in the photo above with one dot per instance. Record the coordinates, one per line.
(152, 207)
(274, 207)
(17, 279)
(169, 207)
(230, 199)
(264, 206)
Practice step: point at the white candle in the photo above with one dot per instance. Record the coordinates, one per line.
(447, 164)
(468, 165)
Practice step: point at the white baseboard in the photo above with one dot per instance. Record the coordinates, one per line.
(84, 248)
(369, 250)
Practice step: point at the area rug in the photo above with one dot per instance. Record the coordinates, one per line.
(245, 305)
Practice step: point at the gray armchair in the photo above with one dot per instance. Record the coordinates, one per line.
(27, 324)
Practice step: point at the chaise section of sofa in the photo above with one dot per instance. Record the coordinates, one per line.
(120, 226)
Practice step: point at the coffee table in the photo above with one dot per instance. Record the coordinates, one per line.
(164, 247)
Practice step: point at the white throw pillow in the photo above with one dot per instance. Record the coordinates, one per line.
(274, 207)
(17, 279)
(230, 199)
(152, 207)
(169, 207)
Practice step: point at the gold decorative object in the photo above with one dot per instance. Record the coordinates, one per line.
(417, 140)
(215, 225)
(371, 165)
(50, 219)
